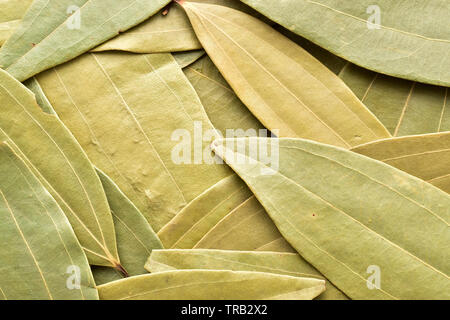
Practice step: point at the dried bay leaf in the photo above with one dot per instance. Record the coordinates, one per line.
(125, 115)
(425, 156)
(411, 48)
(11, 13)
(203, 212)
(187, 58)
(41, 99)
(281, 84)
(169, 33)
(226, 216)
(212, 285)
(235, 4)
(279, 263)
(344, 212)
(405, 107)
(223, 107)
(277, 245)
(13, 10)
(36, 44)
(54, 156)
(135, 237)
(39, 249)
(331, 61)
(246, 227)
(7, 29)
(164, 33)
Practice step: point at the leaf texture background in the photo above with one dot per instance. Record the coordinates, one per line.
(279, 263)
(280, 83)
(35, 264)
(135, 237)
(55, 157)
(226, 216)
(404, 107)
(406, 46)
(246, 227)
(11, 12)
(314, 190)
(124, 116)
(35, 46)
(423, 156)
(187, 58)
(169, 33)
(223, 107)
(212, 285)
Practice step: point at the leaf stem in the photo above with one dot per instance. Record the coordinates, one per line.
(121, 270)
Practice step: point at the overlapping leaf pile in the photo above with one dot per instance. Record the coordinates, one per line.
(96, 95)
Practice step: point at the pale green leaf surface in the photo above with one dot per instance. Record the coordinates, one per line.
(221, 104)
(344, 212)
(7, 29)
(135, 237)
(137, 118)
(424, 156)
(413, 46)
(203, 213)
(212, 285)
(245, 227)
(277, 245)
(187, 58)
(55, 157)
(49, 35)
(39, 253)
(282, 85)
(11, 13)
(13, 9)
(405, 107)
(41, 99)
(169, 33)
(279, 263)
(165, 33)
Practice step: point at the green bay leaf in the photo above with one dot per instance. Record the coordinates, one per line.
(282, 85)
(245, 227)
(40, 255)
(347, 214)
(7, 29)
(160, 33)
(404, 107)
(203, 213)
(407, 46)
(223, 107)
(424, 156)
(135, 237)
(55, 157)
(79, 24)
(187, 58)
(212, 285)
(168, 32)
(279, 263)
(138, 119)
(13, 10)
(11, 13)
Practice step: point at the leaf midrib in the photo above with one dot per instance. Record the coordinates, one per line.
(382, 26)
